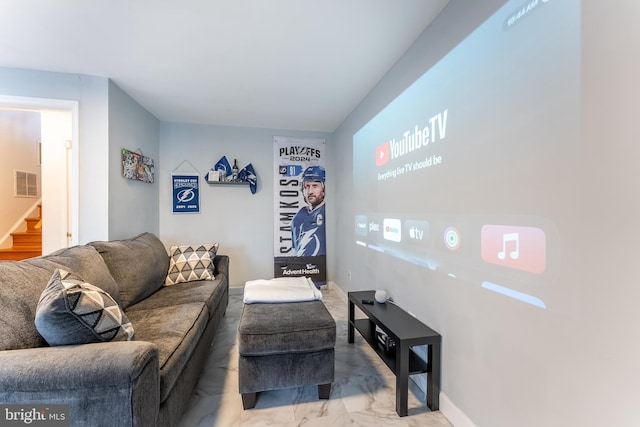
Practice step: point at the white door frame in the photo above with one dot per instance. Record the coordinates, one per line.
(56, 233)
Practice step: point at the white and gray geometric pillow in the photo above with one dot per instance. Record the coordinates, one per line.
(72, 311)
(189, 263)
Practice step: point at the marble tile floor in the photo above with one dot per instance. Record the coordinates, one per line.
(363, 393)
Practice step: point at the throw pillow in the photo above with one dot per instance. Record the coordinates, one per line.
(188, 263)
(71, 311)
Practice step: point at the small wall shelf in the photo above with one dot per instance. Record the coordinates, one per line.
(228, 182)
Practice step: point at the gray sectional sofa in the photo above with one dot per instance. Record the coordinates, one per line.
(143, 382)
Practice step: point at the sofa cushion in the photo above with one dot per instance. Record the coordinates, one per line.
(209, 292)
(72, 311)
(191, 263)
(176, 331)
(139, 265)
(22, 283)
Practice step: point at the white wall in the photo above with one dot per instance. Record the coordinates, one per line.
(57, 129)
(506, 364)
(608, 368)
(19, 134)
(240, 221)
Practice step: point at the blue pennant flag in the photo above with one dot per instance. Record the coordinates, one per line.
(248, 174)
(223, 165)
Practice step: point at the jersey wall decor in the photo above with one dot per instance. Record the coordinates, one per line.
(299, 224)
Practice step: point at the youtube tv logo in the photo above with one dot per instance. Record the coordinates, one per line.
(382, 154)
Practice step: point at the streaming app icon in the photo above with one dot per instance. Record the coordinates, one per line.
(522, 248)
(361, 225)
(416, 232)
(392, 229)
(373, 227)
(452, 238)
(382, 154)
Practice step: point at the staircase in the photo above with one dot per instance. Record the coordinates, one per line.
(26, 244)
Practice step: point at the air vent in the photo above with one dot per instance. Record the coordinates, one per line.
(26, 184)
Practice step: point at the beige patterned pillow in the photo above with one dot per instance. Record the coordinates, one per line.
(189, 263)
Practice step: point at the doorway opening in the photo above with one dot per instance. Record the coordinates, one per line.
(59, 167)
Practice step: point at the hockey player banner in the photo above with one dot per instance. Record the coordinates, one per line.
(300, 240)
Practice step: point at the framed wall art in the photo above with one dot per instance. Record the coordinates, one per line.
(136, 166)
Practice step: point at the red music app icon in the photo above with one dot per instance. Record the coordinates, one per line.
(522, 248)
(382, 154)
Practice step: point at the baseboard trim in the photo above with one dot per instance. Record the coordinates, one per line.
(453, 413)
(334, 286)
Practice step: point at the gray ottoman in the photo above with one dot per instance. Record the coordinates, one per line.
(285, 345)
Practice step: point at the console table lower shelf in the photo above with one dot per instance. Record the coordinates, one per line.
(406, 331)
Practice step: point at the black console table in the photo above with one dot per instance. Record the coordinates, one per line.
(406, 331)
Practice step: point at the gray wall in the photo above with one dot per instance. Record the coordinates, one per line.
(240, 221)
(133, 205)
(506, 364)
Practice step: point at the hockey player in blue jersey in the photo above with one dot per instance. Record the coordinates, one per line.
(307, 226)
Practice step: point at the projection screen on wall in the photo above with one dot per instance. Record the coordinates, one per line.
(467, 172)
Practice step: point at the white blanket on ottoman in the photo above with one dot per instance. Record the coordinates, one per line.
(281, 289)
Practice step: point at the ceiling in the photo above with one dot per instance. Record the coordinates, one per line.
(284, 64)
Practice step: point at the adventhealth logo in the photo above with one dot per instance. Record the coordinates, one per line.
(412, 140)
(307, 270)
